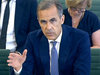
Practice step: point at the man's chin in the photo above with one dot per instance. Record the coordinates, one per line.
(51, 38)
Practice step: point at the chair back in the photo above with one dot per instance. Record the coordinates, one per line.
(95, 61)
(4, 68)
(95, 8)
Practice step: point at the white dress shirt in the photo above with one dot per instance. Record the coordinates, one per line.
(10, 40)
(58, 40)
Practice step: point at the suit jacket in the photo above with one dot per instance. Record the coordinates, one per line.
(25, 21)
(74, 55)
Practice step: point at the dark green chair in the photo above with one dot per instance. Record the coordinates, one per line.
(61, 1)
(96, 7)
(4, 68)
(95, 61)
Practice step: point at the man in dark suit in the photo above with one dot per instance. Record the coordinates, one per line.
(73, 47)
(22, 20)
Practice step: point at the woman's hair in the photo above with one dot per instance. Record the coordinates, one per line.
(73, 3)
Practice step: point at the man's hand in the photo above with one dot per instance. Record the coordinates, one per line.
(16, 60)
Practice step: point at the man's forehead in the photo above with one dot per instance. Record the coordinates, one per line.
(48, 16)
(52, 10)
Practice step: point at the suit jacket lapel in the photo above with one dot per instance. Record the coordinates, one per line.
(20, 6)
(64, 49)
(44, 54)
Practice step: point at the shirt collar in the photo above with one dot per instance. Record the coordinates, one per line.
(58, 39)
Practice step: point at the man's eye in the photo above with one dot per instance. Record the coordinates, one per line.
(53, 21)
(43, 22)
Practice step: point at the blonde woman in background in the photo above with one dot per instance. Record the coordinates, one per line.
(77, 16)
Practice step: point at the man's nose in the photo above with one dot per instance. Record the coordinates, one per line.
(48, 26)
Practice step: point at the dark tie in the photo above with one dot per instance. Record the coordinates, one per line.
(54, 59)
(4, 27)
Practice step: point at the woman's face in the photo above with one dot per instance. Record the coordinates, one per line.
(77, 11)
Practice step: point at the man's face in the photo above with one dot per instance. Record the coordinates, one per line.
(50, 22)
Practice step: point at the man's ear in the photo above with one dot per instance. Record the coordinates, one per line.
(62, 19)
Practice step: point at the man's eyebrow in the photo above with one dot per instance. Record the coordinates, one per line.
(53, 19)
(42, 20)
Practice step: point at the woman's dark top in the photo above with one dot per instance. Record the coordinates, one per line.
(89, 23)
